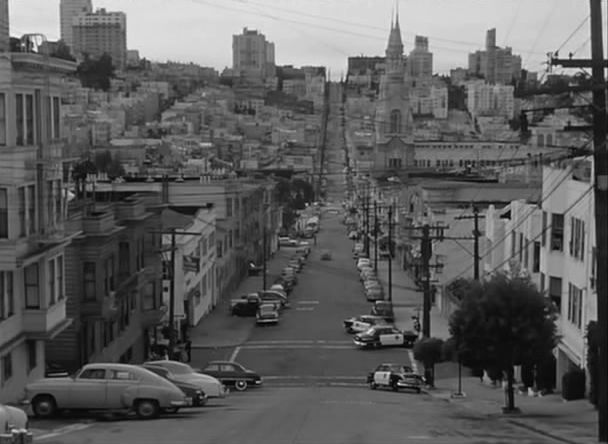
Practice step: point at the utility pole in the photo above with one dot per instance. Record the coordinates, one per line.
(375, 236)
(264, 257)
(476, 234)
(426, 250)
(390, 253)
(367, 221)
(600, 158)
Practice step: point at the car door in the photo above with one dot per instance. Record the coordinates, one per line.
(390, 337)
(382, 375)
(212, 370)
(89, 389)
(118, 383)
(229, 373)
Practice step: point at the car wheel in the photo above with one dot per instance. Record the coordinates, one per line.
(240, 385)
(147, 409)
(373, 385)
(44, 406)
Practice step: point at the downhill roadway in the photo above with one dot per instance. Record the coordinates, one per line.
(314, 388)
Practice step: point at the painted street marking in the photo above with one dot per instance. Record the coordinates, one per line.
(298, 341)
(63, 430)
(305, 309)
(297, 346)
(308, 302)
(234, 354)
(410, 354)
(324, 378)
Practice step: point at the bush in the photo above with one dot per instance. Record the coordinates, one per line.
(573, 385)
(527, 375)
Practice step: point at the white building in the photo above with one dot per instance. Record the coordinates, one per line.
(194, 267)
(493, 100)
(568, 264)
(252, 54)
(68, 11)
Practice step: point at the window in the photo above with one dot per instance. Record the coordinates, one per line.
(395, 123)
(7, 301)
(31, 209)
(88, 275)
(543, 236)
(2, 119)
(575, 305)
(3, 213)
(32, 355)
(50, 202)
(59, 267)
(526, 248)
(93, 373)
(30, 281)
(29, 119)
(109, 275)
(577, 238)
(536, 258)
(52, 283)
(56, 117)
(228, 207)
(7, 367)
(19, 120)
(394, 163)
(121, 375)
(124, 259)
(557, 232)
(555, 291)
(58, 202)
(21, 211)
(521, 247)
(593, 276)
(513, 243)
(140, 254)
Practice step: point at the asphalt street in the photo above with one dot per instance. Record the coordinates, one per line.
(314, 377)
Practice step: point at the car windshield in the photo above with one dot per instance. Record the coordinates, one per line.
(177, 368)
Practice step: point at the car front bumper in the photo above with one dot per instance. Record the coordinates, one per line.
(183, 403)
(359, 343)
(267, 320)
(258, 381)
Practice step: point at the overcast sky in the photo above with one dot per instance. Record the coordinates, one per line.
(326, 32)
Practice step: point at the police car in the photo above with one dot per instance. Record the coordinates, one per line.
(395, 376)
(358, 324)
(384, 336)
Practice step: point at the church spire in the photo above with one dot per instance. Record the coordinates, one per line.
(395, 44)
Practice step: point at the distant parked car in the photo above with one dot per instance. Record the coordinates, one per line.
(105, 386)
(362, 323)
(326, 255)
(194, 395)
(288, 242)
(254, 269)
(180, 371)
(267, 314)
(233, 374)
(384, 336)
(395, 376)
(384, 309)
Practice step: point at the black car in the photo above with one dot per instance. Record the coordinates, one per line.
(384, 336)
(190, 390)
(254, 269)
(383, 309)
(232, 374)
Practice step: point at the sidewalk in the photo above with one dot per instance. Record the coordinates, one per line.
(219, 329)
(551, 416)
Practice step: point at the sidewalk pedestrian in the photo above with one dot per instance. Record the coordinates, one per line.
(189, 349)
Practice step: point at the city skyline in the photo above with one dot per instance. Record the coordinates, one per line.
(318, 32)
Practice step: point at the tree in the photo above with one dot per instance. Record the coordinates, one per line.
(429, 351)
(106, 163)
(96, 73)
(502, 322)
(79, 176)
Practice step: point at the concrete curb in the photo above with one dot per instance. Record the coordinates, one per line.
(540, 431)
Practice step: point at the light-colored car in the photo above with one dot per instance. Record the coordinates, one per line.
(12, 418)
(212, 387)
(363, 262)
(362, 323)
(105, 386)
(267, 314)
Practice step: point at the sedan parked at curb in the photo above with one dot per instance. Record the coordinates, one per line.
(384, 336)
(194, 395)
(233, 374)
(268, 314)
(105, 386)
(362, 323)
(395, 377)
(212, 387)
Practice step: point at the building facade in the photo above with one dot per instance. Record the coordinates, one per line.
(252, 55)
(101, 32)
(68, 11)
(33, 233)
(4, 26)
(495, 64)
(420, 61)
(394, 138)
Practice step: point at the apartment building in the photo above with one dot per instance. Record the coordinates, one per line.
(252, 55)
(112, 284)
(101, 32)
(68, 11)
(568, 257)
(33, 233)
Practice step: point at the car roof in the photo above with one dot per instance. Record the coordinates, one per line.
(112, 366)
(223, 362)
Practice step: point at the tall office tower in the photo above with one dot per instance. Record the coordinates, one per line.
(68, 10)
(252, 54)
(102, 32)
(4, 32)
(420, 62)
(495, 64)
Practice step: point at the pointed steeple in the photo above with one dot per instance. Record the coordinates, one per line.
(395, 44)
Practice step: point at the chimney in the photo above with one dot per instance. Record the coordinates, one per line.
(4, 24)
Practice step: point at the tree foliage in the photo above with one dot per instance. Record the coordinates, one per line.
(293, 195)
(429, 351)
(502, 322)
(96, 73)
(106, 163)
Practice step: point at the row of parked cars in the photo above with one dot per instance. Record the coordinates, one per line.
(146, 390)
(367, 275)
(266, 305)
